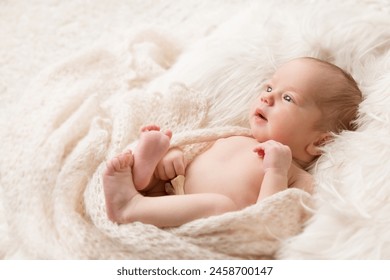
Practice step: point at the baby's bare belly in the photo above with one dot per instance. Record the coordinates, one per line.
(229, 167)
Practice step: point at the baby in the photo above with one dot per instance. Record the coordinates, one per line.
(299, 109)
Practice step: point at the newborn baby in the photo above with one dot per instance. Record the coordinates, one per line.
(299, 109)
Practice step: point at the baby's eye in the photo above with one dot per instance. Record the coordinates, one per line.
(269, 89)
(288, 98)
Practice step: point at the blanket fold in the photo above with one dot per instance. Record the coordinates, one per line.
(84, 110)
(54, 198)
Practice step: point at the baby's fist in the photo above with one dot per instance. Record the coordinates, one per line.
(276, 156)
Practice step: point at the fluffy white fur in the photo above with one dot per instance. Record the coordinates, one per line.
(224, 67)
(351, 219)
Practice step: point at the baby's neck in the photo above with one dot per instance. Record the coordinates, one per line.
(301, 164)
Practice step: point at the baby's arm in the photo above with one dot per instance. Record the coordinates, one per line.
(171, 165)
(277, 160)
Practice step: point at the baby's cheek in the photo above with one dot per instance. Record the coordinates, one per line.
(283, 136)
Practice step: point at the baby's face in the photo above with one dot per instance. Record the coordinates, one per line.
(286, 110)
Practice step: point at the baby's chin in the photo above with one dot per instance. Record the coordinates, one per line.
(260, 137)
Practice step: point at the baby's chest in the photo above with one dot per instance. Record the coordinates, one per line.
(228, 167)
(236, 155)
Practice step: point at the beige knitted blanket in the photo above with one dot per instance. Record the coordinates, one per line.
(83, 112)
(89, 107)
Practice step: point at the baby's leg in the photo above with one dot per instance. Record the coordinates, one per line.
(176, 210)
(152, 146)
(125, 204)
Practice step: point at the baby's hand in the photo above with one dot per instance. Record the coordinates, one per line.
(276, 156)
(171, 165)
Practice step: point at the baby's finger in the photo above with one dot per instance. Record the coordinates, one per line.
(169, 171)
(179, 166)
(160, 172)
(260, 151)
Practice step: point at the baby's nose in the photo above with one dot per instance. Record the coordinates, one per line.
(267, 99)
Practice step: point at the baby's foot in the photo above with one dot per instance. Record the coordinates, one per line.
(152, 146)
(118, 186)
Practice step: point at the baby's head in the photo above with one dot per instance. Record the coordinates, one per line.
(337, 96)
(303, 104)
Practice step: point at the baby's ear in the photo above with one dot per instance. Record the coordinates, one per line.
(314, 148)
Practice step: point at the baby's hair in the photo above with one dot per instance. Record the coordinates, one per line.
(338, 98)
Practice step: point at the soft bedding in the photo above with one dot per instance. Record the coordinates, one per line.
(81, 111)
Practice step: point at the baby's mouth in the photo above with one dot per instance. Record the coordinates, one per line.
(260, 115)
(264, 118)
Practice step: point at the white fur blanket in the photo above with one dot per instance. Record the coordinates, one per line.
(86, 109)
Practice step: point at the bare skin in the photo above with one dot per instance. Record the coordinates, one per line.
(129, 173)
(125, 204)
(152, 146)
(234, 172)
(204, 195)
(116, 180)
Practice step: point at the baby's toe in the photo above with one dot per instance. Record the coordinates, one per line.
(150, 127)
(113, 166)
(129, 158)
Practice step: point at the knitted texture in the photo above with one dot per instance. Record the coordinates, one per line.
(88, 108)
(84, 112)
